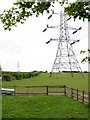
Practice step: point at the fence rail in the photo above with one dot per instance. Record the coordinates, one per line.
(77, 94)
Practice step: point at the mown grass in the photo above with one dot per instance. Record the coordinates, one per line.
(42, 107)
(43, 79)
(46, 106)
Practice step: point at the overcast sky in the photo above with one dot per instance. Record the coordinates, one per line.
(26, 43)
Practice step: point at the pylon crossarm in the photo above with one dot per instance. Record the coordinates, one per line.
(58, 27)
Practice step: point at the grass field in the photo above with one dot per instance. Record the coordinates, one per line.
(46, 106)
(43, 79)
(43, 107)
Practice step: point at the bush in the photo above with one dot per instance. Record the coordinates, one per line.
(85, 72)
(25, 75)
(7, 77)
(18, 76)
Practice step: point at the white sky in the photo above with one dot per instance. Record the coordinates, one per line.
(26, 43)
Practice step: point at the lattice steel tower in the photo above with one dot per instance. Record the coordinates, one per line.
(65, 57)
(18, 67)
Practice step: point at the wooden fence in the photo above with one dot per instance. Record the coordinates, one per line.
(77, 94)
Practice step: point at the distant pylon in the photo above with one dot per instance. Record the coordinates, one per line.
(18, 67)
(65, 57)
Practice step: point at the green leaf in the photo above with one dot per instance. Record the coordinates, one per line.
(12, 8)
(9, 29)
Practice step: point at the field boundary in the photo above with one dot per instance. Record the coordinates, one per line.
(77, 94)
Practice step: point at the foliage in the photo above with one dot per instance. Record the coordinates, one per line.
(18, 76)
(21, 75)
(7, 77)
(87, 58)
(24, 9)
(78, 10)
(21, 11)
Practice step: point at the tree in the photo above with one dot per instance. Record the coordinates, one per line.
(78, 10)
(23, 9)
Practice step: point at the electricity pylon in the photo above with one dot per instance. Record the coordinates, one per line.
(65, 57)
(18, 67)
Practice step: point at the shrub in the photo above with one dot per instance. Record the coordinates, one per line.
(25, 75)
(18, 76)
(7, 77)
(85, 72)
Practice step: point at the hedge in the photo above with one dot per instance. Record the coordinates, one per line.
(18, 75)
(7, 77)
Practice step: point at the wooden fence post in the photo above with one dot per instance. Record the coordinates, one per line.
(83, 96)
(14, 90)
(77, 94)
(64, 89)
(28, 89)
(72, 92)
(47, 90)
(88, 99)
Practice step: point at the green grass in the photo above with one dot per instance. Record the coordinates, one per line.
(42, 107)
(45, 106)
(43, 80)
